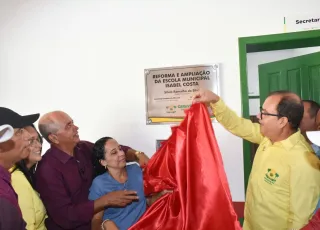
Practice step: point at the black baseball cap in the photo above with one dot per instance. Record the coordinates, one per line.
(7, 116)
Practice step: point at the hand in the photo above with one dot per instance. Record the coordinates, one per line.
(205, 96)
(142, 159)
(157, 196)
(164, 192)
(120, 198)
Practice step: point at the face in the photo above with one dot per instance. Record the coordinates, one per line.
(17, 148)
(270, 123)
(318, 120)
(307, 123)
(114, 156)
(67, 134)
(35, 147)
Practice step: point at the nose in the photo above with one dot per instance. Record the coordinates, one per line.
(38, 144)
(76, 127)
(259, 116)
(121, 153)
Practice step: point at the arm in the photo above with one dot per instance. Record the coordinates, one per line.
(25, 198)
(134, 155)
(153, 198)
(131, 154)
(240, 127)
(10, 217)
(59, 206)
(97, 221)
(109, 225)
(302, 203)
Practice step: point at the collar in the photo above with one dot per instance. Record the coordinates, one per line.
(59, 154)
(5, 175)
(12, 168)
(292, 141)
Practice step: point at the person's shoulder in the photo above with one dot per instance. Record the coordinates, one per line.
(46, 163)
(312, 160)
(305, 162)
(133, 167)
(21, 185)
(85, 144)
(16, 172)
(102, 184)
(298, 150)
(17, 176)
(105, 178)
(48, 157)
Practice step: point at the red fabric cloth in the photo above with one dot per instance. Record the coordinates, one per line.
(190, 164)
(314, 223)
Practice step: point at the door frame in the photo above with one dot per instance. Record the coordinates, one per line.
(266, 43)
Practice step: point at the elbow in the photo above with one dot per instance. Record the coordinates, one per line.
(68, 221)
(30, 225)
(77, 215)
(64, 223)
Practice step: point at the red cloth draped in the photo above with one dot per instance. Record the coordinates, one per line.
(314, 223)
(190, 164)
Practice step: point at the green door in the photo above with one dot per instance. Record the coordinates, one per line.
(299, 74)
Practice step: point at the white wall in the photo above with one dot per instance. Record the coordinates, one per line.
(87, 58)
(305, 51)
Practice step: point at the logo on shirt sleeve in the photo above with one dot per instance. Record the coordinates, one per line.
(271, 176)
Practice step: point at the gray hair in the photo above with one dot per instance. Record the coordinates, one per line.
(47, 128)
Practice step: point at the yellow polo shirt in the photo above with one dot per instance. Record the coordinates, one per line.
(284, 184)
(32, 208)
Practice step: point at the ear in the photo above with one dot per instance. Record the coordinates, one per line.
(53, 138)
(283, 121)
(318, 120)
(103, 163)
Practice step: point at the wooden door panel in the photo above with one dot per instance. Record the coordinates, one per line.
(299, 74)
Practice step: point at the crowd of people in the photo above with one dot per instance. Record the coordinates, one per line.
(81, 185)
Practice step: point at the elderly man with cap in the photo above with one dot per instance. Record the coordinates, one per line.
(14, 146)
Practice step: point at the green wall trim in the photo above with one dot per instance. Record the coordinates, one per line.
(266, 43)
(293, 44)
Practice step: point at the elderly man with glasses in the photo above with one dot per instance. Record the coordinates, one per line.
(14, 146)
(284, 183)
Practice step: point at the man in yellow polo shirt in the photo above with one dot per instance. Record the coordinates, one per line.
(284, 183)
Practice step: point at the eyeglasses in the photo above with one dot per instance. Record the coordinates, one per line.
(268, 114)
(34, 141)
(31, 141)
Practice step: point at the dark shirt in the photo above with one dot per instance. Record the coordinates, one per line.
(63, 182)
(10, 213)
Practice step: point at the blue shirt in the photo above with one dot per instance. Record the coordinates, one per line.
(316, 149)
(123, 217)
